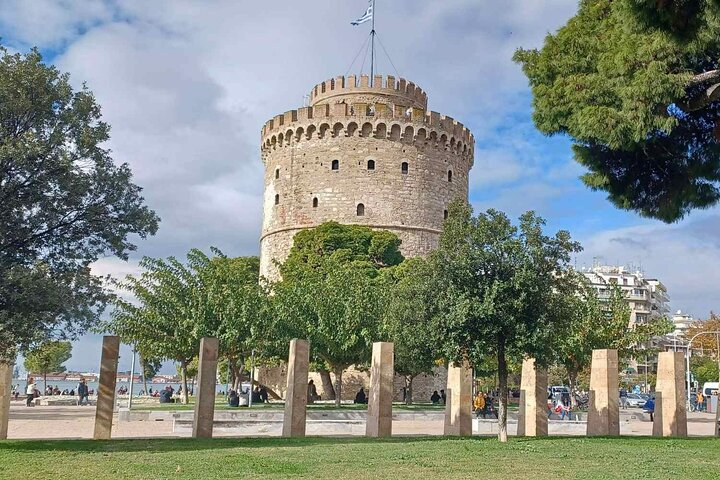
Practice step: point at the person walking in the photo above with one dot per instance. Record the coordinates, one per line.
(82, 392)
(30, 391)
(649, 407)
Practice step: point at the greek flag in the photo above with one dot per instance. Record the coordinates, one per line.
(366, 17)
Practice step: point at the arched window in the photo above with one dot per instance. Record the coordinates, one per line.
(277, 199)
(277, 173)
(315, 202)
(335, 165)
(360, 210)
(371, 164)
(445, 214)
(404, 168)
(449, 175)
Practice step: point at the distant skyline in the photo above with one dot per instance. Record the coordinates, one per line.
(187, 85)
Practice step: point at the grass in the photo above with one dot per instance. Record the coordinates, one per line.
(361, 458)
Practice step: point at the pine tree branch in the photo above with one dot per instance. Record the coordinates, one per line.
(711, 75)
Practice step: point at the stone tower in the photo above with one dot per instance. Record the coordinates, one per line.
(366, 155)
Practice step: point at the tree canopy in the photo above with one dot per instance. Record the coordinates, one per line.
(47, 358)
(635, 84)
(64, 203)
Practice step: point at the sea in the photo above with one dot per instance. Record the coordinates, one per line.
(138, 387)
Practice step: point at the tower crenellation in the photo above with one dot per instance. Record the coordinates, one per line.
(362, 154)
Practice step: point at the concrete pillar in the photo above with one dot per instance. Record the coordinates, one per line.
(458, 407)
(297, 389)
(205, 394)
(106, 389)
(670, 415)
(532, 414)
(604, 412)
(382, 377)
(5, 394)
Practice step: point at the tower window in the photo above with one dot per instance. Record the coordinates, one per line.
(315, 202)
(371, 164)
(277, 199)
(335, 165)
(360, 210)
(449, 175)
(404, 168)
(277, 173)
(445, 214)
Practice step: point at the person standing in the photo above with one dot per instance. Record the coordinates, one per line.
(30, 391)
(82, 392)
(623, 398)
(699, 401)
(479, 405)
(443, 397)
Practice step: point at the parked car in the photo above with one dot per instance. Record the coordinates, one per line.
(635, 400)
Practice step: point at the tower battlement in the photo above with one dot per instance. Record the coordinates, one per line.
(393, 90)
(379, 120)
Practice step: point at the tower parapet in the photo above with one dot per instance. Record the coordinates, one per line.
(384, 90)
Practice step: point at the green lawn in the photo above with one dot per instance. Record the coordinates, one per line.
(360, 458)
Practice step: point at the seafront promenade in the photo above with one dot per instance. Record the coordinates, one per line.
(54, 422)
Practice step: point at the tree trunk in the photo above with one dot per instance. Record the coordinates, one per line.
(142, 368)
(44, 392)
(408, 389)
(327, 385)
(502, 387)
(338, 386)
(183, 376)
(572, 381)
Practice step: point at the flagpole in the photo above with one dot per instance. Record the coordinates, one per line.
(372, 47)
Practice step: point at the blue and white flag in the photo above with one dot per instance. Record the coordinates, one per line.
(366, 17)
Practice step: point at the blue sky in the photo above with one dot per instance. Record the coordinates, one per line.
(186, 86)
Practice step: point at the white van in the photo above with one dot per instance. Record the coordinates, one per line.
(709, 388)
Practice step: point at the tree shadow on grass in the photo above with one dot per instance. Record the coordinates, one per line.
(191, 444)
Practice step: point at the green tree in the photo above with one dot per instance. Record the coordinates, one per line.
(47, 358)
(64, 203)
(244, 320)
(500, 286)
(704, 369)
(635, 84)
(149, 368)
(410, 321)
(332, 292)
(169, 313)
(599, 323)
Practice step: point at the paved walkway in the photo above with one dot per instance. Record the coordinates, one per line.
(43, 422)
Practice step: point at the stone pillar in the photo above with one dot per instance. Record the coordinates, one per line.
(604, 412)
(382, 376)
(532, 415)
(205, 395)
(458, 407)
(106, 389)
(670, 415)
(297, 389)
(5, 394)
